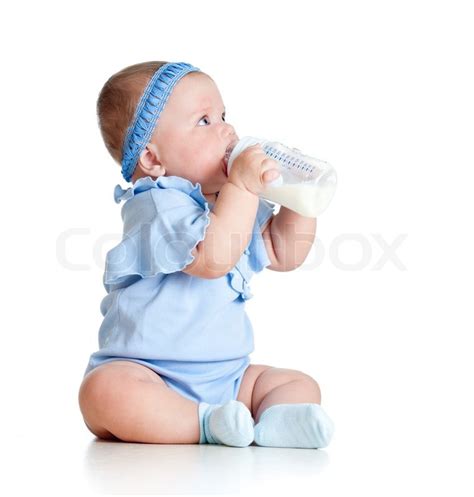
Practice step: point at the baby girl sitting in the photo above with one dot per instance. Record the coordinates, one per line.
(173, 362)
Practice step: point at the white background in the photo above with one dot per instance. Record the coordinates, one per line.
(383, 91)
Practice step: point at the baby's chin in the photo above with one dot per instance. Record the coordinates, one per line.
(213, 187)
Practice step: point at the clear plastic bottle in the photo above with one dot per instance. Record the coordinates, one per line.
(306, 185)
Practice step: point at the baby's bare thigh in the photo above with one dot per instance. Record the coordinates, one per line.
(248, 382)
(110, 371)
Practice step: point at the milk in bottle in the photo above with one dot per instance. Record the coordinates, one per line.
(306, 185)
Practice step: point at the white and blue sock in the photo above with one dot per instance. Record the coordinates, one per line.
(228, 424)
(304, 426)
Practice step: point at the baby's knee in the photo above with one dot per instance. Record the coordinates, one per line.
(290, 375)
(314, 385)
(107, 387)
(309, 380)
(94, 399)
(105, 382)
(95, 391)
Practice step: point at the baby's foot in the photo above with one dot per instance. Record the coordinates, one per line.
(228, 424)
(294, 425)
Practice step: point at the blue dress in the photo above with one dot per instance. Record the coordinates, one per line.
(194, 332)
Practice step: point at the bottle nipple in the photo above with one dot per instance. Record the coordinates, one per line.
(228, 152)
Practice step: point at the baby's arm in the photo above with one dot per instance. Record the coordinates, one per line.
(233, 217)
(288, 239)
(228, 233)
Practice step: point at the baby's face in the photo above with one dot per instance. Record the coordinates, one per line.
(191, 134)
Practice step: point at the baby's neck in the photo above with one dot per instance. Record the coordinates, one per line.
(211, 197)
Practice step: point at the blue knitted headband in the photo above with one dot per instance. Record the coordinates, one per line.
(148, 111)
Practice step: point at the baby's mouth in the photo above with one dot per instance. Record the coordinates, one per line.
(228, 152)
(224, 166)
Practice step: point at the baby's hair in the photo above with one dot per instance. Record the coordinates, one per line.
(118, 100)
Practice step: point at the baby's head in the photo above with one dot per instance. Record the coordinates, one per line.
(189, 136)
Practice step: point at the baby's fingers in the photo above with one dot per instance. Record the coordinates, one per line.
(270, 175)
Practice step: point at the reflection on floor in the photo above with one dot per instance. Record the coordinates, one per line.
(116, 467)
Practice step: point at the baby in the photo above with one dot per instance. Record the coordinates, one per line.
(173, 362)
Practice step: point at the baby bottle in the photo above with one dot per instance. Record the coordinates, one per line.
(306, 185)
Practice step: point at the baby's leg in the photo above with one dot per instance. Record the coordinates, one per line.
(287, 411)
(283, 386)
(129, 401)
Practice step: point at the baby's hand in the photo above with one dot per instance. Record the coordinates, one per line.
(252, 169)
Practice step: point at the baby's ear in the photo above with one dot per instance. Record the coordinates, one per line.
(149, 162)
(158, 171)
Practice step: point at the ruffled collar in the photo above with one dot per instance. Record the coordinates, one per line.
(146, 183)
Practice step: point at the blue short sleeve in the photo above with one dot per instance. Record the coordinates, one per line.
(164, 220)
(258, 257)
(264, 212)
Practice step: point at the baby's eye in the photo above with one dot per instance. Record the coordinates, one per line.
(207, 118)
(203, 117)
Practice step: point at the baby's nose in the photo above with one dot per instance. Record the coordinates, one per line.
(230, 131)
